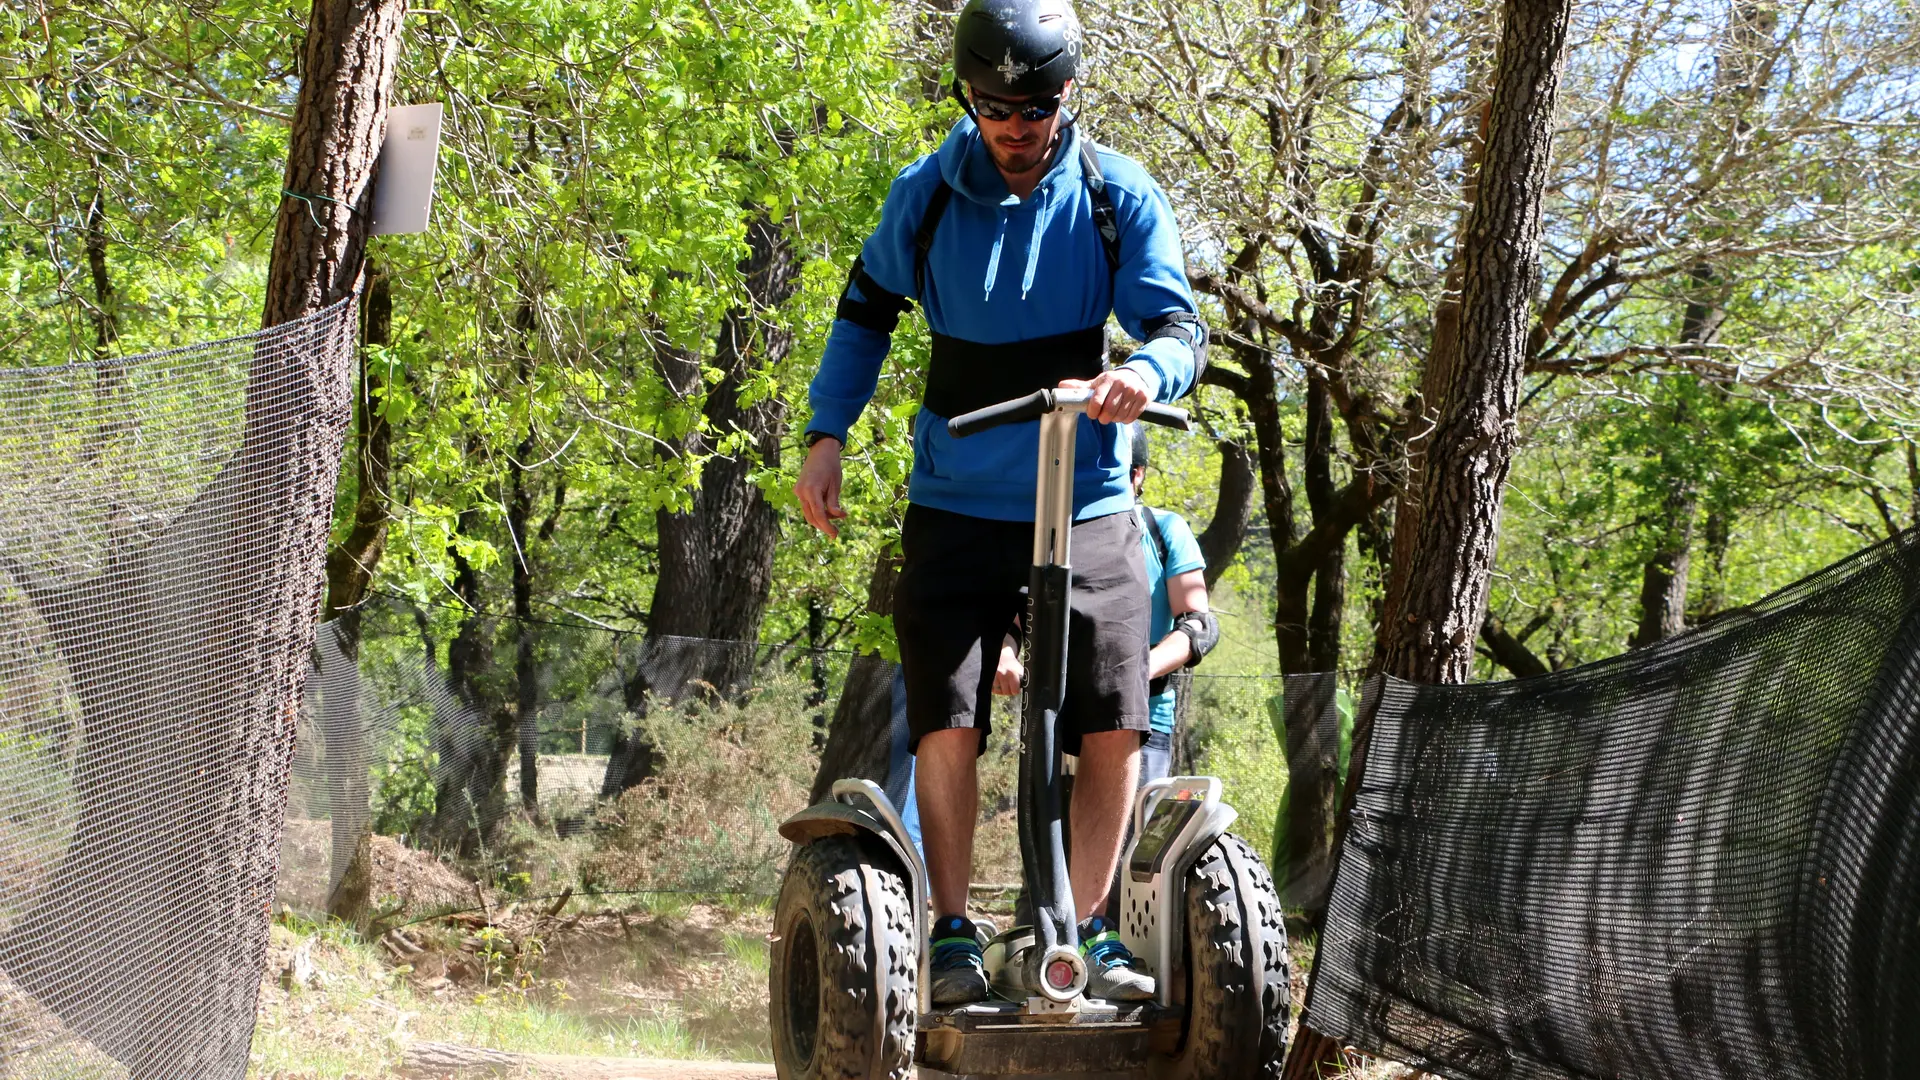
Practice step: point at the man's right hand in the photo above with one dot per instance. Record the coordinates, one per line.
(819, 487)
(1006, 675)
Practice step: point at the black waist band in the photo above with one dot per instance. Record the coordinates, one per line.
(965, 375)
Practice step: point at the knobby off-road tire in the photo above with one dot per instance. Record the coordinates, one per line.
(843, 966)
(1236, 971)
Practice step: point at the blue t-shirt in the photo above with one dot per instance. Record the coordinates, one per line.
(1183, 556)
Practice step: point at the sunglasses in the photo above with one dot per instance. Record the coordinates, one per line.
(988, 108)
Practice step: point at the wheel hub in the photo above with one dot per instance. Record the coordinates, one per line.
(802, 991)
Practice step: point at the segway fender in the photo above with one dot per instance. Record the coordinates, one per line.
(833, 818)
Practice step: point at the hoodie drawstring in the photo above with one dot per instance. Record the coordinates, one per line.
(1040, 215)
(993, 260)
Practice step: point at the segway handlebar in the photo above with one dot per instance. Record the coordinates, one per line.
(1041, 402)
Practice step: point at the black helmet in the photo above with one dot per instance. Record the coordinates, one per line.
(1138, 456)
(1016, 48)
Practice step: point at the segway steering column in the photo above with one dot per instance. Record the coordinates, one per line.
(1060, 974)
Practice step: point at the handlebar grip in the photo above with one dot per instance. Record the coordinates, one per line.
(1019, 410)
(1167, 416)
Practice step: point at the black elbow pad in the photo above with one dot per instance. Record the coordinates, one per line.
(1186, 327)
(864, 303)
(1203, 633)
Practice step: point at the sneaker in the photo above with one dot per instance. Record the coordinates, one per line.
(1111, 971)
(959, 973)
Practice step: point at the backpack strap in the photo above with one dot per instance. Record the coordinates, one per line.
(1104, 217)
(1159, 537)
(923, 237)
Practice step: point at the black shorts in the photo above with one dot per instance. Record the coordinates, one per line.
(959, 593)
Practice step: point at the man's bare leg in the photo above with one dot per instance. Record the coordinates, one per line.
(1103, 785)
(947, 786)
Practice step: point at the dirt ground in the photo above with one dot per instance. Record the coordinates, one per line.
(585, 988)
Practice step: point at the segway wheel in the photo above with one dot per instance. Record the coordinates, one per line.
(1235, 983)
(843, 965)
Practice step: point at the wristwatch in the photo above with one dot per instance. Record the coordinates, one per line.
(812, 437)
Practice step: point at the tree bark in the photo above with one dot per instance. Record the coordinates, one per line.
(1330, 574)
(319, 241)
(1472, 450)
(109, 379)
(1663, 579)
(716, 558)
(1424, 415)
(192, 692)
(1913, 481)
(1739, 76)
(859, 740)
(1430, 639)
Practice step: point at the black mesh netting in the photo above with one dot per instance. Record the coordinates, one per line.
(1697, 860)
(162, 523)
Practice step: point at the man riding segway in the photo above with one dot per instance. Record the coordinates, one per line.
(1017, 238)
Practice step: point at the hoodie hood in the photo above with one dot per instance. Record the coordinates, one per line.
(968, 169)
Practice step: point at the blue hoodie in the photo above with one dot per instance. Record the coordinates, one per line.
(1002, 270)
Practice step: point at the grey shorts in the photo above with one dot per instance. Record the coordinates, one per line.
(959, 594)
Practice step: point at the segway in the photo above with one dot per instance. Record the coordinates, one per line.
(849, 980)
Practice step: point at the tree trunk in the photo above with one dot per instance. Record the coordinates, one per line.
(1740, 75)
(351, 50)
(1232, 514)
(1430, 638)
(1472, 448)
(1442, 357)
(859, 742)
(191, 693)
(472, 753)
(106, 322)
(716, 558)
(526, 675)
(1913, 482)
(1330, 575)
(109, 379)
(351, 563)
(1663, 580)
(350, 566)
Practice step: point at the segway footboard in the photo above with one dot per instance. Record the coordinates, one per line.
(1091, 1039)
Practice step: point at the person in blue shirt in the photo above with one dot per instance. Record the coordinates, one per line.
(1176, 576)
(1018, 238)
(1177, 571)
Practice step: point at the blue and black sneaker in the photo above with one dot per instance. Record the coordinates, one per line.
(1111, 972)
(959, 973)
